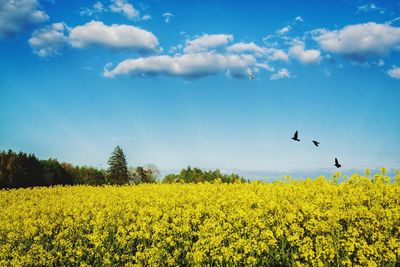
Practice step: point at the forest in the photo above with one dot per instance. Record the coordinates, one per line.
(21, 170)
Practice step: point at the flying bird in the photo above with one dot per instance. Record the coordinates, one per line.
(252, 76)
(337, 165)
(296, 136)
(316, 143)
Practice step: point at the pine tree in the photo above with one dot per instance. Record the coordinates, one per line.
(118, 169)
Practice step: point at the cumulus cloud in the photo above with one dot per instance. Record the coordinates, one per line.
(204, 56)
(125, 8)
(360, 41)
(49, 41)
(188, 66)
(280, 74)
(115, 37)
(167, 17)
(207, 42)
(17, 15)
(311, 56)
(370, 7)
(394, 72)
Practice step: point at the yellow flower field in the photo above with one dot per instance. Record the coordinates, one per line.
(312, 222)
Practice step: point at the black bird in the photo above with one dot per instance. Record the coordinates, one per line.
(296, 136)
(337, 165)
(252, 76)
(316, 143)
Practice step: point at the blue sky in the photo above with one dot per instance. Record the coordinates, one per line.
(170, 82)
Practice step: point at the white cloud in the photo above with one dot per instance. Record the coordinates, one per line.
(271, 54)
(117, 6)
(115, 37)
(274, 54)
(49, 41)
(175, 49)
(281, 74)
(202, 58)
(298, 19)
(270, 40)
(311, 56)
(189, 66)
(240, 48)
(265, 66)
(146, 17)
(370, 7)
(16, 15)
(207, 42)
(125, 8)
(284, 30)
(394, 72)
(167, 17)
(360, 41)
(97, 8)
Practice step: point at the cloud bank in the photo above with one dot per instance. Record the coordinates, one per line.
(189, 66)
(204, 56)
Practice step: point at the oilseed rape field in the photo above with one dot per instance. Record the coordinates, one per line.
(318, 222)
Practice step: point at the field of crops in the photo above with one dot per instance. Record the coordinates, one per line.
(311, 222)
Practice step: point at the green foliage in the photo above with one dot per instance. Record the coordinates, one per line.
(140, 175)
(19, 170)
(54, 173)
(117, 172)
(143, 174)
(22, 170)
(87, 175)
(197, 175)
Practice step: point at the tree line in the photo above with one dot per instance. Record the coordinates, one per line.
(197, 175)
(26, 170)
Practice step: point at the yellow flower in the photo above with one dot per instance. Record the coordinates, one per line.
(296, 223)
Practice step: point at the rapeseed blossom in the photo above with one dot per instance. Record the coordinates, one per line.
(311, 222)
